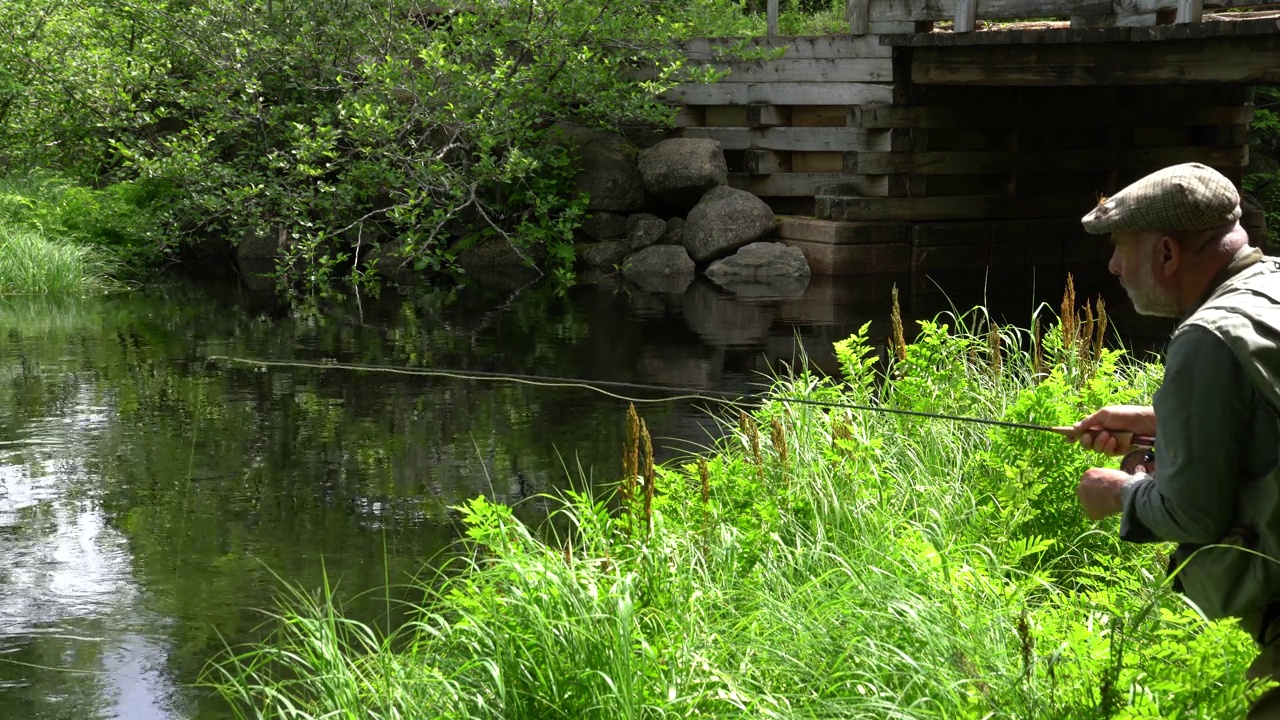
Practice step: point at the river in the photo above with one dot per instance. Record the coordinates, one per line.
(153, 501)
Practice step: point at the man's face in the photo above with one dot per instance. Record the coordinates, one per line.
(1136, 261)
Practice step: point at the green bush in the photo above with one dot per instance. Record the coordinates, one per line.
(817, 562)
(342, 123)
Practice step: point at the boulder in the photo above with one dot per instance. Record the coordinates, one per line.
(680, 170)
(603, 225)
(605, 254)
(675, 232)
(492, 253)
(660, 268)
(725, 220)
(644, 230)
(264, 246)
(607, 169)
(760, 260)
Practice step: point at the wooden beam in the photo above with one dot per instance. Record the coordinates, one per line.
(787, 93)
(771, 12)
(760, 115)
(1253, 59)
(974, 163)
(786, 138)
(830, 207)
(792, 47)
(807, 184)
(858, 15)
(1190, 11)
(808, 70)
(966, 15)
(766, 162)
(916, 10)
(1054, 115)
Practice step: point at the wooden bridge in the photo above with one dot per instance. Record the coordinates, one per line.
(945, 134)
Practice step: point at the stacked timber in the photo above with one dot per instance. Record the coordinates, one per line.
(898, 175)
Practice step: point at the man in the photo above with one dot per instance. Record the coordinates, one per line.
(1180, 252)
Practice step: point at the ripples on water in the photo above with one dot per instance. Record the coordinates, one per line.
(148, 498)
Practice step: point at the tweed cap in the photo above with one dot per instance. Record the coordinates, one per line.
(1189, 196)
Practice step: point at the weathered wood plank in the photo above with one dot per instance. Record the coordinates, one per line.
(762, 115)
(956, 163)
(966, 15)
(1253, 59)
(1190, 11)
(907, 10)
(766, 162)
(785, 138)
(1077, 36)
(1156, 115)
(832, 207)
(771, 12)
(834, 93)
(809, 70)
(829, 232)
(796, 47)
(820, 115)
(1150, 6)
(858, 14)
(689, 116)
(807, 184)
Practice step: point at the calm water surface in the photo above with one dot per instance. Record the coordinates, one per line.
(152, 501)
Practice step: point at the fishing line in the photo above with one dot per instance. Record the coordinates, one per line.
(673, 393)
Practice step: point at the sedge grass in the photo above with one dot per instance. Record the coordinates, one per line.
(32, 263)
(815, 563)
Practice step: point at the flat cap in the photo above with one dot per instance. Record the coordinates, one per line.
(1189, 196)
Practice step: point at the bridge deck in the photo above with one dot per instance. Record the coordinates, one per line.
(938, 149)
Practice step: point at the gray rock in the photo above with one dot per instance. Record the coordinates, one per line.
(603, 225)
(265, 246)
(660, 268)
(644, 230)
(680, 170)
(605, 254)
(491, 253)
(760, 260)
(607, 168)
(725, 220)
(675, 232)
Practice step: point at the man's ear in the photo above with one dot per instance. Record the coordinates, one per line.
(1168, 252)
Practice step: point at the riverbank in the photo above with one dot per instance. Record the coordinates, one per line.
(815, 562)
(58, 237)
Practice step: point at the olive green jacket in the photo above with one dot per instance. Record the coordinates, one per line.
(1217, 487)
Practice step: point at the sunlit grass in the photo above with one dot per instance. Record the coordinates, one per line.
(32, 263)
(815, 562)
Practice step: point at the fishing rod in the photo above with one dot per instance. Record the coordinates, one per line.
(673, 394)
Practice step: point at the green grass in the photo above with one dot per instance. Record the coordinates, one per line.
(816, 563)
(32, 263)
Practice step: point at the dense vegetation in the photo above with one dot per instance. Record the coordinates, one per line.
(341, 122)
(820, 562)
(332, 127)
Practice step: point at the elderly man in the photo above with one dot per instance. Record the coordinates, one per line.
(1180, 252)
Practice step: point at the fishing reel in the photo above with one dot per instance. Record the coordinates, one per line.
(1141, 459)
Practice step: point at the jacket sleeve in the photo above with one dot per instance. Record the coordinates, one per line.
(1203, 409)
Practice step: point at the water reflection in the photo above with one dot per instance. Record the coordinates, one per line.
(151, 501)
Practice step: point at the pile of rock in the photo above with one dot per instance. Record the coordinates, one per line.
(707, 224)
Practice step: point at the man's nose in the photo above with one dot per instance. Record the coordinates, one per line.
(1115, 265)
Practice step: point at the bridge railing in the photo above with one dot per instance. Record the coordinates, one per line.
(905, 16)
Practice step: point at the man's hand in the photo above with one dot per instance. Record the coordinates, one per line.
(1099, 492)
(1095, 430)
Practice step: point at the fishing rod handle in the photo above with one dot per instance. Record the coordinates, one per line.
(1122, 436)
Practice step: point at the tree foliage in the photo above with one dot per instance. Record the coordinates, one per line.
(342, 123)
